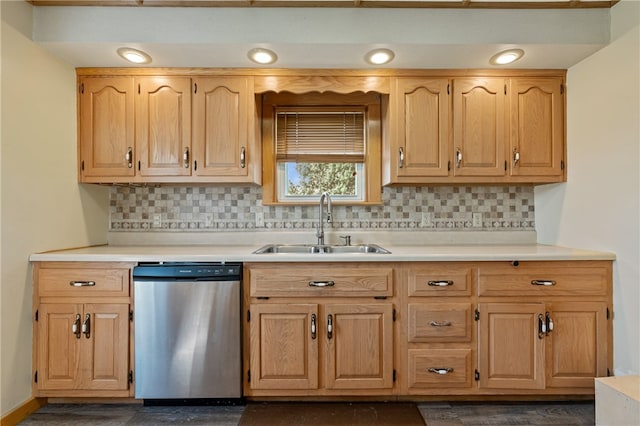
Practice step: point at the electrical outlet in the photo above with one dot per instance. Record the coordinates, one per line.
(426, 220)
(259, 220)
(157, 220)
(208, 220)
(477, 220)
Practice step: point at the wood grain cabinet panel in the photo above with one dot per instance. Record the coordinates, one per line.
(537, 127)
(420, 124)
(106, 127)
(284, 347)
(480, 126)
(440, 322)
(359, 346)
(81, 333)
(439, 369)
(225, 138)
(163, 126)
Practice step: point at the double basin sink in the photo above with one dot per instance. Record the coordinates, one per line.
(321, 249)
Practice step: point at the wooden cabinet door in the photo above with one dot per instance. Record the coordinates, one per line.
(422, 108)
(163, 126)
(511, 351)
(58, 348)
(105, 352)
(223, 130)
(359, 350)
(479, 126)
(106, 114)
(537, 127)
(577, 346)
(284, 346)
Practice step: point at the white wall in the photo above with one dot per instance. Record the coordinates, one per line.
(599, 206)
(42, 206)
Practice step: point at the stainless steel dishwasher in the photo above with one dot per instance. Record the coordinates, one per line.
(187, 330)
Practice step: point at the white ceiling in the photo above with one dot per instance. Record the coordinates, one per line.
(320, 37)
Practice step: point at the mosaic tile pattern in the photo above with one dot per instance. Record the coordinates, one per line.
(213, 208)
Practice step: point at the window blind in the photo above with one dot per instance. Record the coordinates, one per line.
(320, 134)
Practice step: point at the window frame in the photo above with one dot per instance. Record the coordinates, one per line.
(373, 144)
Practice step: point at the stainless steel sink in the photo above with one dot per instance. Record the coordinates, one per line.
(320, 249)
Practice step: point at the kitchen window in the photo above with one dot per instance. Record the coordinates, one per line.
(321, 142)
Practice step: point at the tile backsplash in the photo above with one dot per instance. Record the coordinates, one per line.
(239, 208)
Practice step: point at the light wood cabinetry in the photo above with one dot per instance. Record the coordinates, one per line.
(106, 128)
(81, 329)
(537, 127)
(544, 325)
(319, 329)
(142, 128)
(480, 126)
(440, 328)
(492, 128)
(163, 126)
(225, 138)
(420, 128)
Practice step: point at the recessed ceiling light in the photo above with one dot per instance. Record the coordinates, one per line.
(262, 56)
(506, 57)
(133, 55)
(379, 56)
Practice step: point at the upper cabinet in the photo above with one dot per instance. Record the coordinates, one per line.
(205, 125)
(475, 129)
(106, 128)
(537, 127)
(225, 141)
(168, 129)
(163, 126)
(479, 126)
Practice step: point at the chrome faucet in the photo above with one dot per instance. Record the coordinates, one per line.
(320, 230)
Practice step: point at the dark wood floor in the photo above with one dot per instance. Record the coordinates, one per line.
(434, 414)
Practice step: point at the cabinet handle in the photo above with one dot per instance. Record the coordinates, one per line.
(82, 283)
(441, 371)
(546, 283)
(313, 326)
(542, 327)
(516, 157)
(440, 283)
(75, 328)
(401, 158)
(185, 158)
(321, 283)
(440, 324)
(329, 326)
(549, 322)
(129, 157)
(243, 157)
(458, 157)
(86, 326)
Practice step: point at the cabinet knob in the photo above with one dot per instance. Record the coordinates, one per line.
(86, 326)
(329, 326)
(243, 157)
(516, 157)
(185, 158)
(313, 326)
(75, 328)
(401, 158)
(458, 157)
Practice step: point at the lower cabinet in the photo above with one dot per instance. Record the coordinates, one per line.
(336, 345)
(82, 329)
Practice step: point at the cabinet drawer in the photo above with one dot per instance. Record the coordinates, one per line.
(441, 279)
(96, 280)
(439, 322)
(560, 278)
(320, 281)
(439, 368)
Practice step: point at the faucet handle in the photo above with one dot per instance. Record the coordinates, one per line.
(347, 239)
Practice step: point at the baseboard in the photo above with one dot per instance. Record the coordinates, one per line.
(23, 411)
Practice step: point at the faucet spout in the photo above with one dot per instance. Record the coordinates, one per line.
(320, 230)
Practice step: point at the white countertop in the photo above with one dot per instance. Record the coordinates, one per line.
(243, 253)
